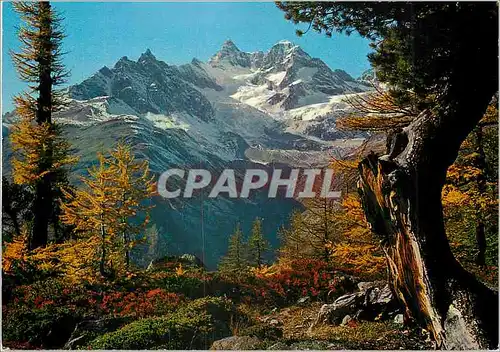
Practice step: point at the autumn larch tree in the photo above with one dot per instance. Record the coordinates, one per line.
(312, 230)
(40, 152)
(134, 185)
(470, 196)
(447, 51)
(355, 249)
(334, 230)
(294, 243)
(318, 223)
(111, 206)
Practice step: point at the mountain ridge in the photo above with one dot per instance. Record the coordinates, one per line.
(238, 110)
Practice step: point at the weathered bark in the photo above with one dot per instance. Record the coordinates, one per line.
(401, 195)
(41, 213)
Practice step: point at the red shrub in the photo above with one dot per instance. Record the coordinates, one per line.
(140, 303)
(288, 282)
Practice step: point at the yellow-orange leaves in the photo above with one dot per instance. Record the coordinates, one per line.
(15, 253)
(110, 205)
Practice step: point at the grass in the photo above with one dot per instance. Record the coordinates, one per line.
(296, 320)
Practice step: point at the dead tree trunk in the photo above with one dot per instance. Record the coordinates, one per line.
(401, 192)
(401, 196)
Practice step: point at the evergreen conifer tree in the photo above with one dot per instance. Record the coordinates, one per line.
(257, 244)
(235, 260)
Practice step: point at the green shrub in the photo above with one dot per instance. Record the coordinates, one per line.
(167, 332)
(89, 329)
(194, 326)
(191, 287)
(44, 313)
(48, 326)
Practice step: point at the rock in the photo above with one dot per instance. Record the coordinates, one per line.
(379, 295)
(335, 312)
(399, 319)
(346, 320)
(279, 346)
(372, 300)
(379, 303)
(349, 300)
(304, 300)
(309, 345)
(237, 343)
(365, 286)
(457, 336)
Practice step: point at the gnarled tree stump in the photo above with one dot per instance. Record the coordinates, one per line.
(401, 196)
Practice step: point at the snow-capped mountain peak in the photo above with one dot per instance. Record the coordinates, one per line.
(286, 77)
(279, 80)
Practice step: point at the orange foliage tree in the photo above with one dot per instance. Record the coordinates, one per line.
(470, 196)
(40, 153)
(334, 230)
(111, 206)
(14, 253)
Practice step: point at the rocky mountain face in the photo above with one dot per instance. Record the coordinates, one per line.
(238, 110)
(150, 85)
(285, 77)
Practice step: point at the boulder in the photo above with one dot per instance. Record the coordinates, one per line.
(372, 300)
(379, 295)
(335, 312)
(379, 303)
(279, 346)
(365, 286)
(346, 320)
(237, 343)
(399, 319)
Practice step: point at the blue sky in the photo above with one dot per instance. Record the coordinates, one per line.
(99, 34)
